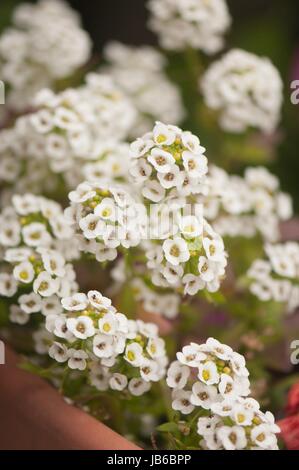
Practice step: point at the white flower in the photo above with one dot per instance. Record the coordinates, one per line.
(238, 363)
(242, 415)
(103, 345)
(163, 135)
(208, 373)
(77, 359)
(191, 142)
(25, 204)
(92, 226)
(42, 121)
(172, 178)
(10, 233)
(182, 402)
(222, 351)
(149, 370)
(53, 262)
(190, 23)
(99, 376)
(262, 436)
(161, 160)
(195, 165)
(83, 192)
(153, 191)
(30, 303)
(81, 327)
(98, 301)
(108, 324)
(203, 395)
(207, 425)
(45, 285)
(176, 251)
(223, 408)
(206, 269)
(51, 305)
(140, 170)
(17, 315)
(8, 285)
(138, 387)
(192, 284)
(76, 302)
(57, 325)
(156, 347)
(177, 375)
(191, 226)
(106, 210)
(191, 355)
(232, 438)
(35, 234)
(16, 255)
(214, 249)
(59, 352)
(141, 146)
(173, 274)
(24, 272)
(245, 89)
(118, 381)
(134, 355)
(228, 387)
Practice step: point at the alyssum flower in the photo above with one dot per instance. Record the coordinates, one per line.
(44, 44)
(207, 374)
(245, 89)
(118, 353)
(276, 278)
(38, 277)
(190, 23)
(33, 222)
(105, 217)
(244, 206)
(167, 160)
(238, 425)
(190, 257)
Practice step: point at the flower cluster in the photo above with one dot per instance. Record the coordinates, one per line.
(105, 217)
(118, 353)
(167, 160)
(21, 167)
(208, 376)
(190, 23)
(34, 221)
(76, 123)
(39, 277)
(245, 89)
(238, 425)
(212, 380)
(277, 278)
(245, 206)
(139, 72)
(191, 255)
(45, 43)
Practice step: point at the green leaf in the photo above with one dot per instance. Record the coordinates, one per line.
(168, 427)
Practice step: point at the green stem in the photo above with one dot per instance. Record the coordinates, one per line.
(166, 399)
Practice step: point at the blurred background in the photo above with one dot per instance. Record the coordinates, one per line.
(265, 27)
